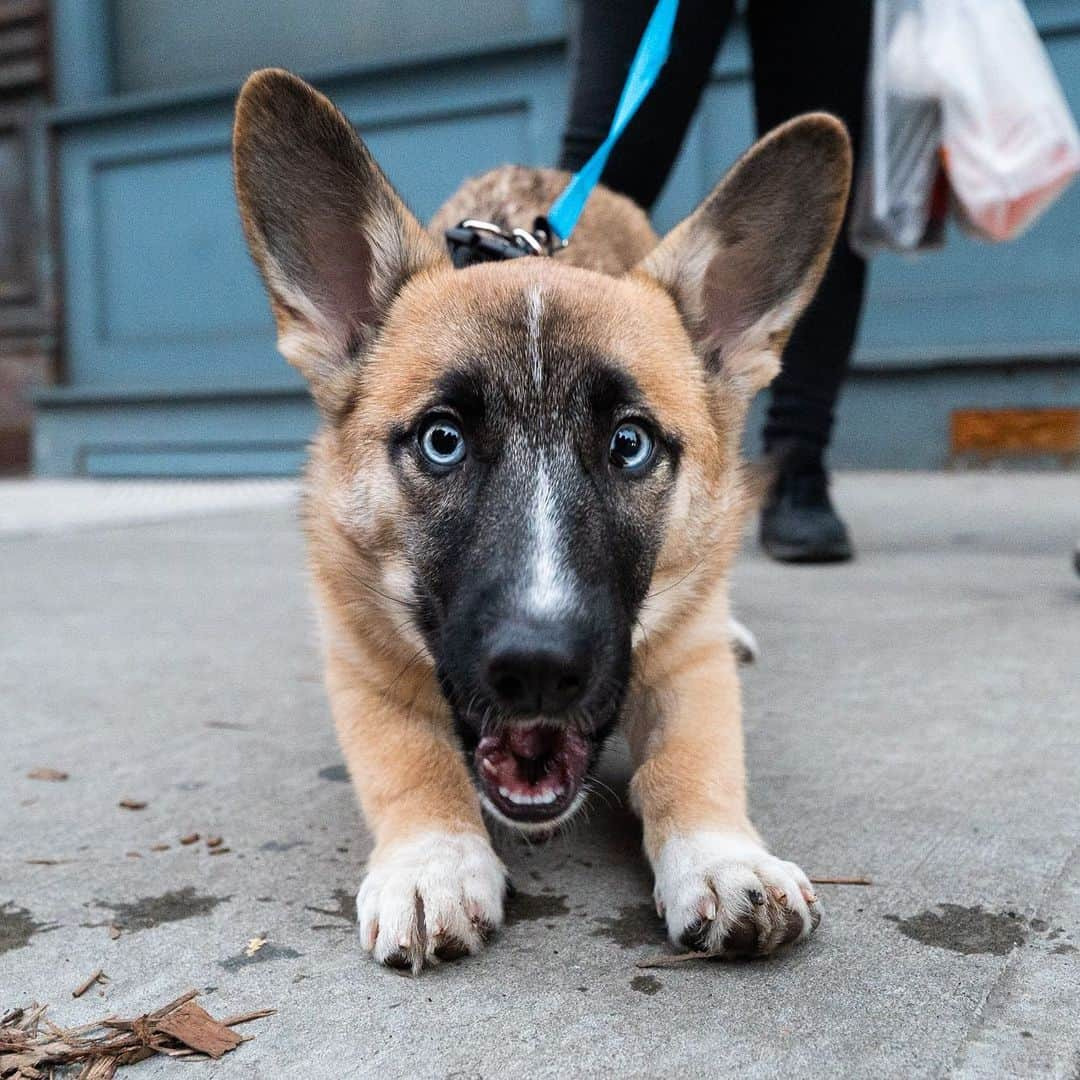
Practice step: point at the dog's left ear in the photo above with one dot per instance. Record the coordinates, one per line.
(333, 240)
(744, 265)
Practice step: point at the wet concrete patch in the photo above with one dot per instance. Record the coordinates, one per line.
(345, 910)
(267, 953)
(969, 930)
(529, 907)
(646, 984)
(18, 927)
(149, 911)
(337, 773)
(635, 925)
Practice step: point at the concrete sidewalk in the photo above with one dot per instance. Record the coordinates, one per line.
(915, 718)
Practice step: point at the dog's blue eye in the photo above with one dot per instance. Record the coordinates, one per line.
(442, 443)
(631, 447)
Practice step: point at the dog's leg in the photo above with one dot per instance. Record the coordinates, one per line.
(434, 886)
(717, 886)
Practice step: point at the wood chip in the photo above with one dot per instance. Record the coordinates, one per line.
(214, 841)
(83, 987)
(160, 847)
(45, 862)
(32, 1048)
(196, 1028)
(254, 945)
(132, 804)
(102, 1069)
(44, 773)
(841, 881)
(191, 838)
(114, 931)
(220, 851)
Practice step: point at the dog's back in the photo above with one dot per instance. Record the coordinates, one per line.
(612, 235)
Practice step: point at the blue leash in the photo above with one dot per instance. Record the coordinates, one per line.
(474, 241)
(651, 55)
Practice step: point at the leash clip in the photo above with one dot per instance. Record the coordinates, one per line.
(475, 241)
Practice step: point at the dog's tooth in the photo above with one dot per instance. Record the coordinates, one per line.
(489, 766)
(504, 792)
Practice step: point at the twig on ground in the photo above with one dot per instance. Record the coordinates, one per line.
(98, 976)
(246, 1018)
(841, 881)
(672, 959)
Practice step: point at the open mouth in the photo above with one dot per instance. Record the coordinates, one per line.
(532, 772)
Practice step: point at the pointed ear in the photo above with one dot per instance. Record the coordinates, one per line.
(331, 237)
(745, 264)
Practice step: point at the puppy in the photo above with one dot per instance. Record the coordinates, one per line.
(522, 506)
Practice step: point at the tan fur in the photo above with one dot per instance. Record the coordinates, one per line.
(648, 308)
(352, 536)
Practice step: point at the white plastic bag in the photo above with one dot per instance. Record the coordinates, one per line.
(1010, 142)
(900, 168)
(967, 84)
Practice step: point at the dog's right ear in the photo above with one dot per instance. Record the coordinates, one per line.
(333, 240)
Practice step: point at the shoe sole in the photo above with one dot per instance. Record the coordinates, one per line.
(794, 553)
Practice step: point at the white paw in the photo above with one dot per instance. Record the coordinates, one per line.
(434, 897)
(743, 642)
(723, 893)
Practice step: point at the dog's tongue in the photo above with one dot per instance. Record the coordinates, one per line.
(530, 742)
(533, 765)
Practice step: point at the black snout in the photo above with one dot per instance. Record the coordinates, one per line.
(537, 668)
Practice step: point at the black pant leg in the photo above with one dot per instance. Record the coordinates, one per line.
(811, 56)
(606, 38)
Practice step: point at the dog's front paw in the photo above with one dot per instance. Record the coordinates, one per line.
(433, 897)
(723, 893)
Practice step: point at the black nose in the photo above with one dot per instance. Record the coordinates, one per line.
(535, 668)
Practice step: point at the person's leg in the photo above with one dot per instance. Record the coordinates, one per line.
(808, 57)
(606, 38)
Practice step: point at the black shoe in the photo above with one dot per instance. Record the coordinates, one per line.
(798, 522)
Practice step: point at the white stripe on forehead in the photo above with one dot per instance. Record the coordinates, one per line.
(547, 583)
(548, 592)
(534, 303)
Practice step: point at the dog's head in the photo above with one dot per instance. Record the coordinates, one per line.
(519, 453)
